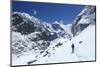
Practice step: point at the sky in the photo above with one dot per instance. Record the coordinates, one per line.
(48, 12)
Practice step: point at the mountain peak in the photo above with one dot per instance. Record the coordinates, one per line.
(84, 19)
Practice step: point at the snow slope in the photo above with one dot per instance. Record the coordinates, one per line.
(84, 51)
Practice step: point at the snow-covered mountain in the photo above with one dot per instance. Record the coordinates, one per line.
(30, 30)
(84, 19)
(26, 24)
(37, 42)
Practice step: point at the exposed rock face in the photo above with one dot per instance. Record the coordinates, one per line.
(26, 24)
(85, 18)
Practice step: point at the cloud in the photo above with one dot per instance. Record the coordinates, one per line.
(35, 12)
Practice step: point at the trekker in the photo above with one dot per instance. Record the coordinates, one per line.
(72, 48)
